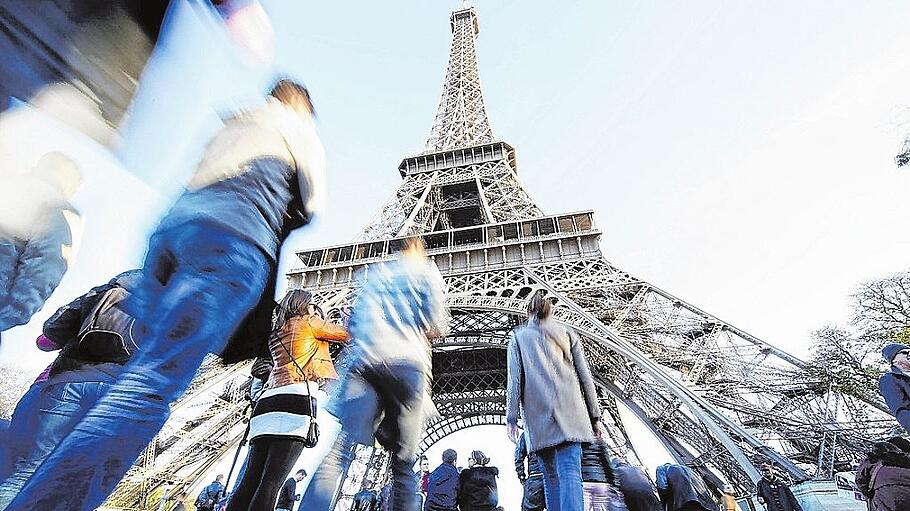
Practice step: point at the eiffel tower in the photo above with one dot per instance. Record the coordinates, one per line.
(717, 398)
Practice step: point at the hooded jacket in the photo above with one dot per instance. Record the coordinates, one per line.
(477, 488)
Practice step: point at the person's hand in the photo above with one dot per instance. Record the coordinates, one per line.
(512, 431)
(599, 430)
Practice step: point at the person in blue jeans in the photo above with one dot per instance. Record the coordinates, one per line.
(84, 368)
(384, 394)
(209, 263)
(549, 384)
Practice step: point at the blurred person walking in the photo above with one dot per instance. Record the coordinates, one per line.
(38, 229)
(637, 491)
(95, 339)
(531, 479)
(385, 394)
(285, 413)
(681, 489)
(442, 485)
(477, 489)
(212, 258)
(550, 386)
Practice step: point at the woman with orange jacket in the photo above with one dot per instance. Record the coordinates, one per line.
(280, 424)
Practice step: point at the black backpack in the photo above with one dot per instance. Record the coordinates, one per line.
(106, 333)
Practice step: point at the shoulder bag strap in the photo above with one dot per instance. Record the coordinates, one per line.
(299, 370)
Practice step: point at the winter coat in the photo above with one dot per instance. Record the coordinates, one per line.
(776, 496)
(895, 388)
(884, 478)
(636, 488)
(36, 246)
(595, 463)
(891, 489)
(306, 338)
(477, 489)
(679, 485)
(550, 385)
(63, 327)
(443, 489)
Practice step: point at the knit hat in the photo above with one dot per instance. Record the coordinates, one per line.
(891, 350)
(449, 456)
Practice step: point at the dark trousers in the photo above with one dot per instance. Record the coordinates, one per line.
(198, 284)
(533, 498)
(267, 466)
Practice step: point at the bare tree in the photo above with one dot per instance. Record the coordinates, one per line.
(882, 306)
(849, 360)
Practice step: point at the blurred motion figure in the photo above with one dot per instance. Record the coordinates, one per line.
(211, 260)
(38, 226)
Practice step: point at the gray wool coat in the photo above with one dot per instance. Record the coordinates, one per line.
(550, 386)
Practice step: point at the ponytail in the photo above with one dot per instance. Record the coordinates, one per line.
(539, 307)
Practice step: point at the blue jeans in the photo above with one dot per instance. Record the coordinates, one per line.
(562, 476)
(57, 409)
(21, 429)
(198, 284)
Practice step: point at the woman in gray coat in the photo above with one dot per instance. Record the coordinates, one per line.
(550, 384)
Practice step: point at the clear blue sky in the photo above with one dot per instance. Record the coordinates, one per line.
(737, 154)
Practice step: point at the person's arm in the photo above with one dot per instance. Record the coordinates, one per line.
(437, 314)
(513, 387)
(898, 401)
(38, 272)
(585, 378)
(521, 452)
(328, 331)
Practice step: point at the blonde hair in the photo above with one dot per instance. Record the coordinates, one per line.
(539, 307)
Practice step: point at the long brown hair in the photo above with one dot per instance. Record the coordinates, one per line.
(294, 303)
(539, 306)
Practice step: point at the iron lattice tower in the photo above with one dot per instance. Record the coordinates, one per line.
(719, 399)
